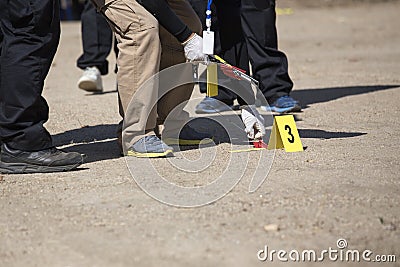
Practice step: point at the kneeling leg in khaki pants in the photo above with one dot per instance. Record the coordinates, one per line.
(142, 46)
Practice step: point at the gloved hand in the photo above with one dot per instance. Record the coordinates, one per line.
(193, 48)
(254, 123)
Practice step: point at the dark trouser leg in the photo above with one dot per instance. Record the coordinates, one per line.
(233, 50)
(31, 30)
(270, 66)
(1, 45)
(96, 39)
(236, 55)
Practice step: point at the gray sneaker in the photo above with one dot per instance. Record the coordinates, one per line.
(150, 147)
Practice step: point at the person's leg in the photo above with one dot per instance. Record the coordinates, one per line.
(233, 51)
(172, 54)
(77, 9)
(176, 131)
(269, 65)
(31, 33)
(97, 39)
(138, 59)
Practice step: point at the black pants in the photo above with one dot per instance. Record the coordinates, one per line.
(233, 50)
(269, 65)
(248, 32)
(231, 46)
(96, 39)
(31, 31)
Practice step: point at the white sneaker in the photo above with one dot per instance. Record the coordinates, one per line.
(91, 80)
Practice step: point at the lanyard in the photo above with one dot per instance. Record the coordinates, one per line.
(208, 35)
(208, 15)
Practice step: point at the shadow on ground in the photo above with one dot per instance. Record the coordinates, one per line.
(221, 134)
(321, 134)
(312, 96)
(101, 93)
(98, 142)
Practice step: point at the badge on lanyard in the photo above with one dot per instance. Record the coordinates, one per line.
(208, 42)
(208, 35)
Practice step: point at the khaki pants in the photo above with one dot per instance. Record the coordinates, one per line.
(144, 49)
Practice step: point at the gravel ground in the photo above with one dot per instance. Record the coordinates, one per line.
(345, 62)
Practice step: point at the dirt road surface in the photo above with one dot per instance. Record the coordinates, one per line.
(345, 63)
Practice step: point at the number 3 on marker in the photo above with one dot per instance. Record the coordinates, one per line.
(284, 134)
(287, 128)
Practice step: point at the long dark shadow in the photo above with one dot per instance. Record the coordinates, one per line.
(321, 134)
(86, 134)
(93, 141)
(320, 95)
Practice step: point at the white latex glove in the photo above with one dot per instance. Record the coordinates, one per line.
(254, 123)
(193, 48)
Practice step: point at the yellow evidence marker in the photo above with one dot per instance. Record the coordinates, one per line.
(284, 134)
(212, 79)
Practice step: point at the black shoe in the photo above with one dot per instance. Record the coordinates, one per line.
(47, 160)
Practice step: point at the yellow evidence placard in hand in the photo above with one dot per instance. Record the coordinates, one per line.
(284, 134)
